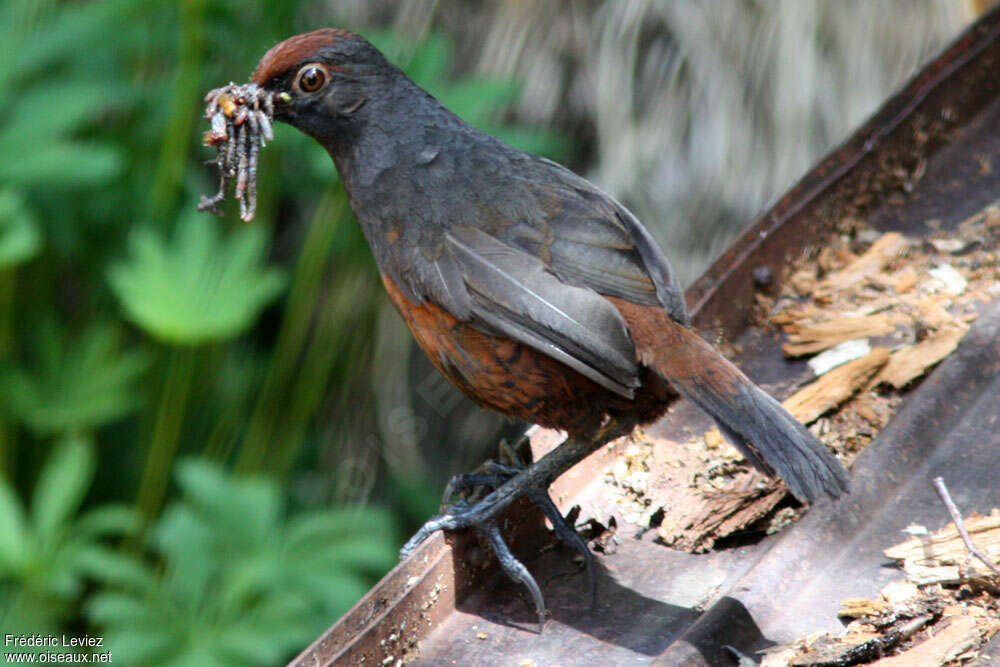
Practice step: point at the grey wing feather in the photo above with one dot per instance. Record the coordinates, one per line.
(593, 240)
(514, 294)
(441, 280)
(668, 287)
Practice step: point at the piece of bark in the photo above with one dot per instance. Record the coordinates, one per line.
(712, 515)
(832, 389)
(831, 651)
(810, 339)
(868, 265)
(894, 595)
(853, 647)
(909, 363)
(922, 575)
(961, 634)
(797, 313)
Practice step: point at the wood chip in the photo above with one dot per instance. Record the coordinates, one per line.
(909, 363)
(868, 265)
(832, 389)
(933, 314)
(858, 607)
(714, 438)
(905, 280)
(935, 558)
(898, 592)
(810, 339)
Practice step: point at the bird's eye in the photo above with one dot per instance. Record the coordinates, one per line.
(310, 78)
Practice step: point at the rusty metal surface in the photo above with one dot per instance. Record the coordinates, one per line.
(932, 153)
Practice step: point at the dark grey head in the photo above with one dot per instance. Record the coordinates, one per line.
(325, 82)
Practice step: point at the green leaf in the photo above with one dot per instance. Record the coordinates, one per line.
(141, 645)
(537, 141)
(189, 543)
(108, 520)
(64, 163)
(77, 384)
(20, 236)
(48, 110)
(249, 509)
(45, 556)
(331, 525)
(63, 38)
(61, 486)
(338, 590)
(14, 540)
(199, 287)
(115, 608)
(112, 568)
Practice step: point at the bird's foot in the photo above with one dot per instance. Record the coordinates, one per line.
(510, 481)
(482, 516)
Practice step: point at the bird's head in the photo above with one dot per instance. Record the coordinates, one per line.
(324, 82)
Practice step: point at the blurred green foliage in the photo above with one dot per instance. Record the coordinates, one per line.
(241, 583)
(199, 288)
(48, 551)
(77, 383)
(135, 332)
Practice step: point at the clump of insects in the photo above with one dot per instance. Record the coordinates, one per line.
(241, 124)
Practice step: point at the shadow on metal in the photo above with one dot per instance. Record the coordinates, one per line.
(932, 153)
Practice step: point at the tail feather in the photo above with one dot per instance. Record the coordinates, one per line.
(765, 433)
(770, 438)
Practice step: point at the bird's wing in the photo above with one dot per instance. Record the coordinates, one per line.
(533, 259)
(588, 239)
(513, 294)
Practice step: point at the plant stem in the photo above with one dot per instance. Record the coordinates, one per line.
(166, 430)
(317, 366)
(262, 434)
(184, 100)
(7, 281)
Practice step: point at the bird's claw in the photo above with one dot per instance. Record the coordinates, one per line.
(513, 568)
(481, 516)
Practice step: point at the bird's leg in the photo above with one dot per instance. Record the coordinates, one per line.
(531, 482)
(491, 474)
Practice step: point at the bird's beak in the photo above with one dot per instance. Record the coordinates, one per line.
(281, 101)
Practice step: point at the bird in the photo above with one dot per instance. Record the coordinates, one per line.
(537, 294)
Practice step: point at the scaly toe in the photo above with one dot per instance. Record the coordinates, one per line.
(514, 568)
(567, 535)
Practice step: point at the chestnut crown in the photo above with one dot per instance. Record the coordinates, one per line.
(322, 78)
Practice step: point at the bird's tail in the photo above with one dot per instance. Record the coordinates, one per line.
(764, 432)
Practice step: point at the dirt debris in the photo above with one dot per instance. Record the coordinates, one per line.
(935, 616)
